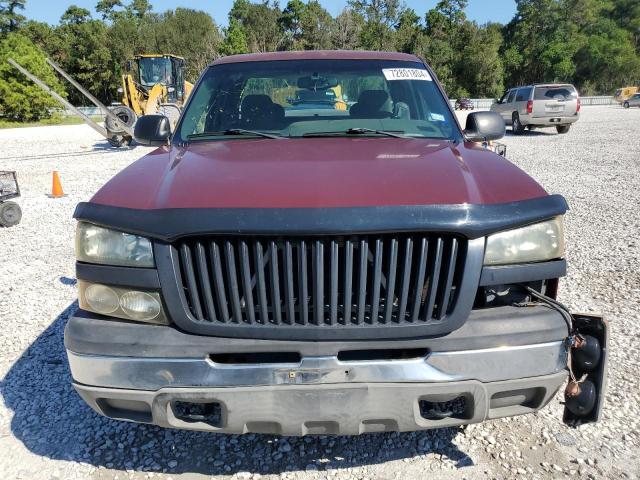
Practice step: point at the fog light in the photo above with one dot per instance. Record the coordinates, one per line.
(140, 306)
(121, 302)
(101, 299)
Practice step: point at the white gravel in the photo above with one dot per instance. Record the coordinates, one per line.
(47, 432)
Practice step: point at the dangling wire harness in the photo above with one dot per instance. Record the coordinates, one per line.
(574, 339)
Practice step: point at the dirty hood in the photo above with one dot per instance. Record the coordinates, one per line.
(317, 173)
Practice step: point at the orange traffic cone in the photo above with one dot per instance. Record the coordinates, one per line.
(56, 188)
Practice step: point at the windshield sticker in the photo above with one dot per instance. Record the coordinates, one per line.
(436, 117)
(406, 74)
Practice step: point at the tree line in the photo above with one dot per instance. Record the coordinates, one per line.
(594, 44)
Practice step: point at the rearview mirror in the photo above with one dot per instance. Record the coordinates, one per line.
(317, 82)
(484, 127)
(152, 130)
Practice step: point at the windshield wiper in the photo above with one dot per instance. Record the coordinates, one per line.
(357, 131)
(234, 131)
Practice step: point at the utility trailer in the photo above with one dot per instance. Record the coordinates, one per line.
(10, 212)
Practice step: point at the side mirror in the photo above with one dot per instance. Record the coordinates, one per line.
(152, 130)
(484, 127)
(129, 65)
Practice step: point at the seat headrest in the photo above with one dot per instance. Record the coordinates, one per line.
(256, 101)
(373, 98)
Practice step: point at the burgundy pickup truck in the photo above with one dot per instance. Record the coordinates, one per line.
(349, 265)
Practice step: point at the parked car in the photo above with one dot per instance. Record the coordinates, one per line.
(288, 273)
(463, 104)
(540, 105)
(633, 101)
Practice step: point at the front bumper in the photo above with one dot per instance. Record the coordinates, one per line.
(335, 408)
(502, 362)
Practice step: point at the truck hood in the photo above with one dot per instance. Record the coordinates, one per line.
(317, 173)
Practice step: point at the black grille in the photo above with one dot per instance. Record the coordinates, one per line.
(321, 281)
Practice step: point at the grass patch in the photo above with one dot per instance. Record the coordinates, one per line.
(55, 120)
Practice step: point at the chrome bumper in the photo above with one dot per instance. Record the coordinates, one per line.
(321, 394)
(486, 365)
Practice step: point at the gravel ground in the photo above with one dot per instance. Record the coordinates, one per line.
(47, 432)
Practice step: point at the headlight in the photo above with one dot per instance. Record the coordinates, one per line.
(534, 243)
(121, 302)
(109, 247)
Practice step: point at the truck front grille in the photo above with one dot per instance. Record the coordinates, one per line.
(316, 282)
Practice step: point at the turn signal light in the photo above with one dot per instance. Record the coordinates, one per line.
(530, 106)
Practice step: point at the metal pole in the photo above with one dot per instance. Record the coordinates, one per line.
(93, 99)
(98, 128)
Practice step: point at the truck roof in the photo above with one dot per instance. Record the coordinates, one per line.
(317, 55)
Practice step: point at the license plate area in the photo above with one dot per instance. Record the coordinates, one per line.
(554, 108)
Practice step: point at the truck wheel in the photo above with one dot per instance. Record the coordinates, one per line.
(10, 214)
(563, 128)
(516, 125)
(625, 104)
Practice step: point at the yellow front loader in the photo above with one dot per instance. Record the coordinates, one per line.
(153, 83)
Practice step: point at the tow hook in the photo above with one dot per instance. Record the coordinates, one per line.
(587, 359)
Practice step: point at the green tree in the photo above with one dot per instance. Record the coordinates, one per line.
(44, 36)
(540, 43)
(10, 19)
(86, 54)
(409, 33)
(447, 32)
(607, 59)
(75, 15)
(346, 29)
(235, 40)
(316, 24)
(626, 14)
(260, 23)
(21, 99)
(479, 69)
(189, 33)
(380, 18)
(291, 23)
(139, 8)
(110, 9)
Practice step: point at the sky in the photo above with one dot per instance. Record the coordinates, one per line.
(481, 11)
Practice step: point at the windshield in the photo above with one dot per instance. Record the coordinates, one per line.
(155, 70)
(295, 98)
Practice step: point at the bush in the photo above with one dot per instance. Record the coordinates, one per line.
(21, 99)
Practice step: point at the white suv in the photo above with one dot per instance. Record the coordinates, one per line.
(540, 105)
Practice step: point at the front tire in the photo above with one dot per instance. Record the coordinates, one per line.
(10, 214)
(563, 128)
(516, 124)
(626, 105)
